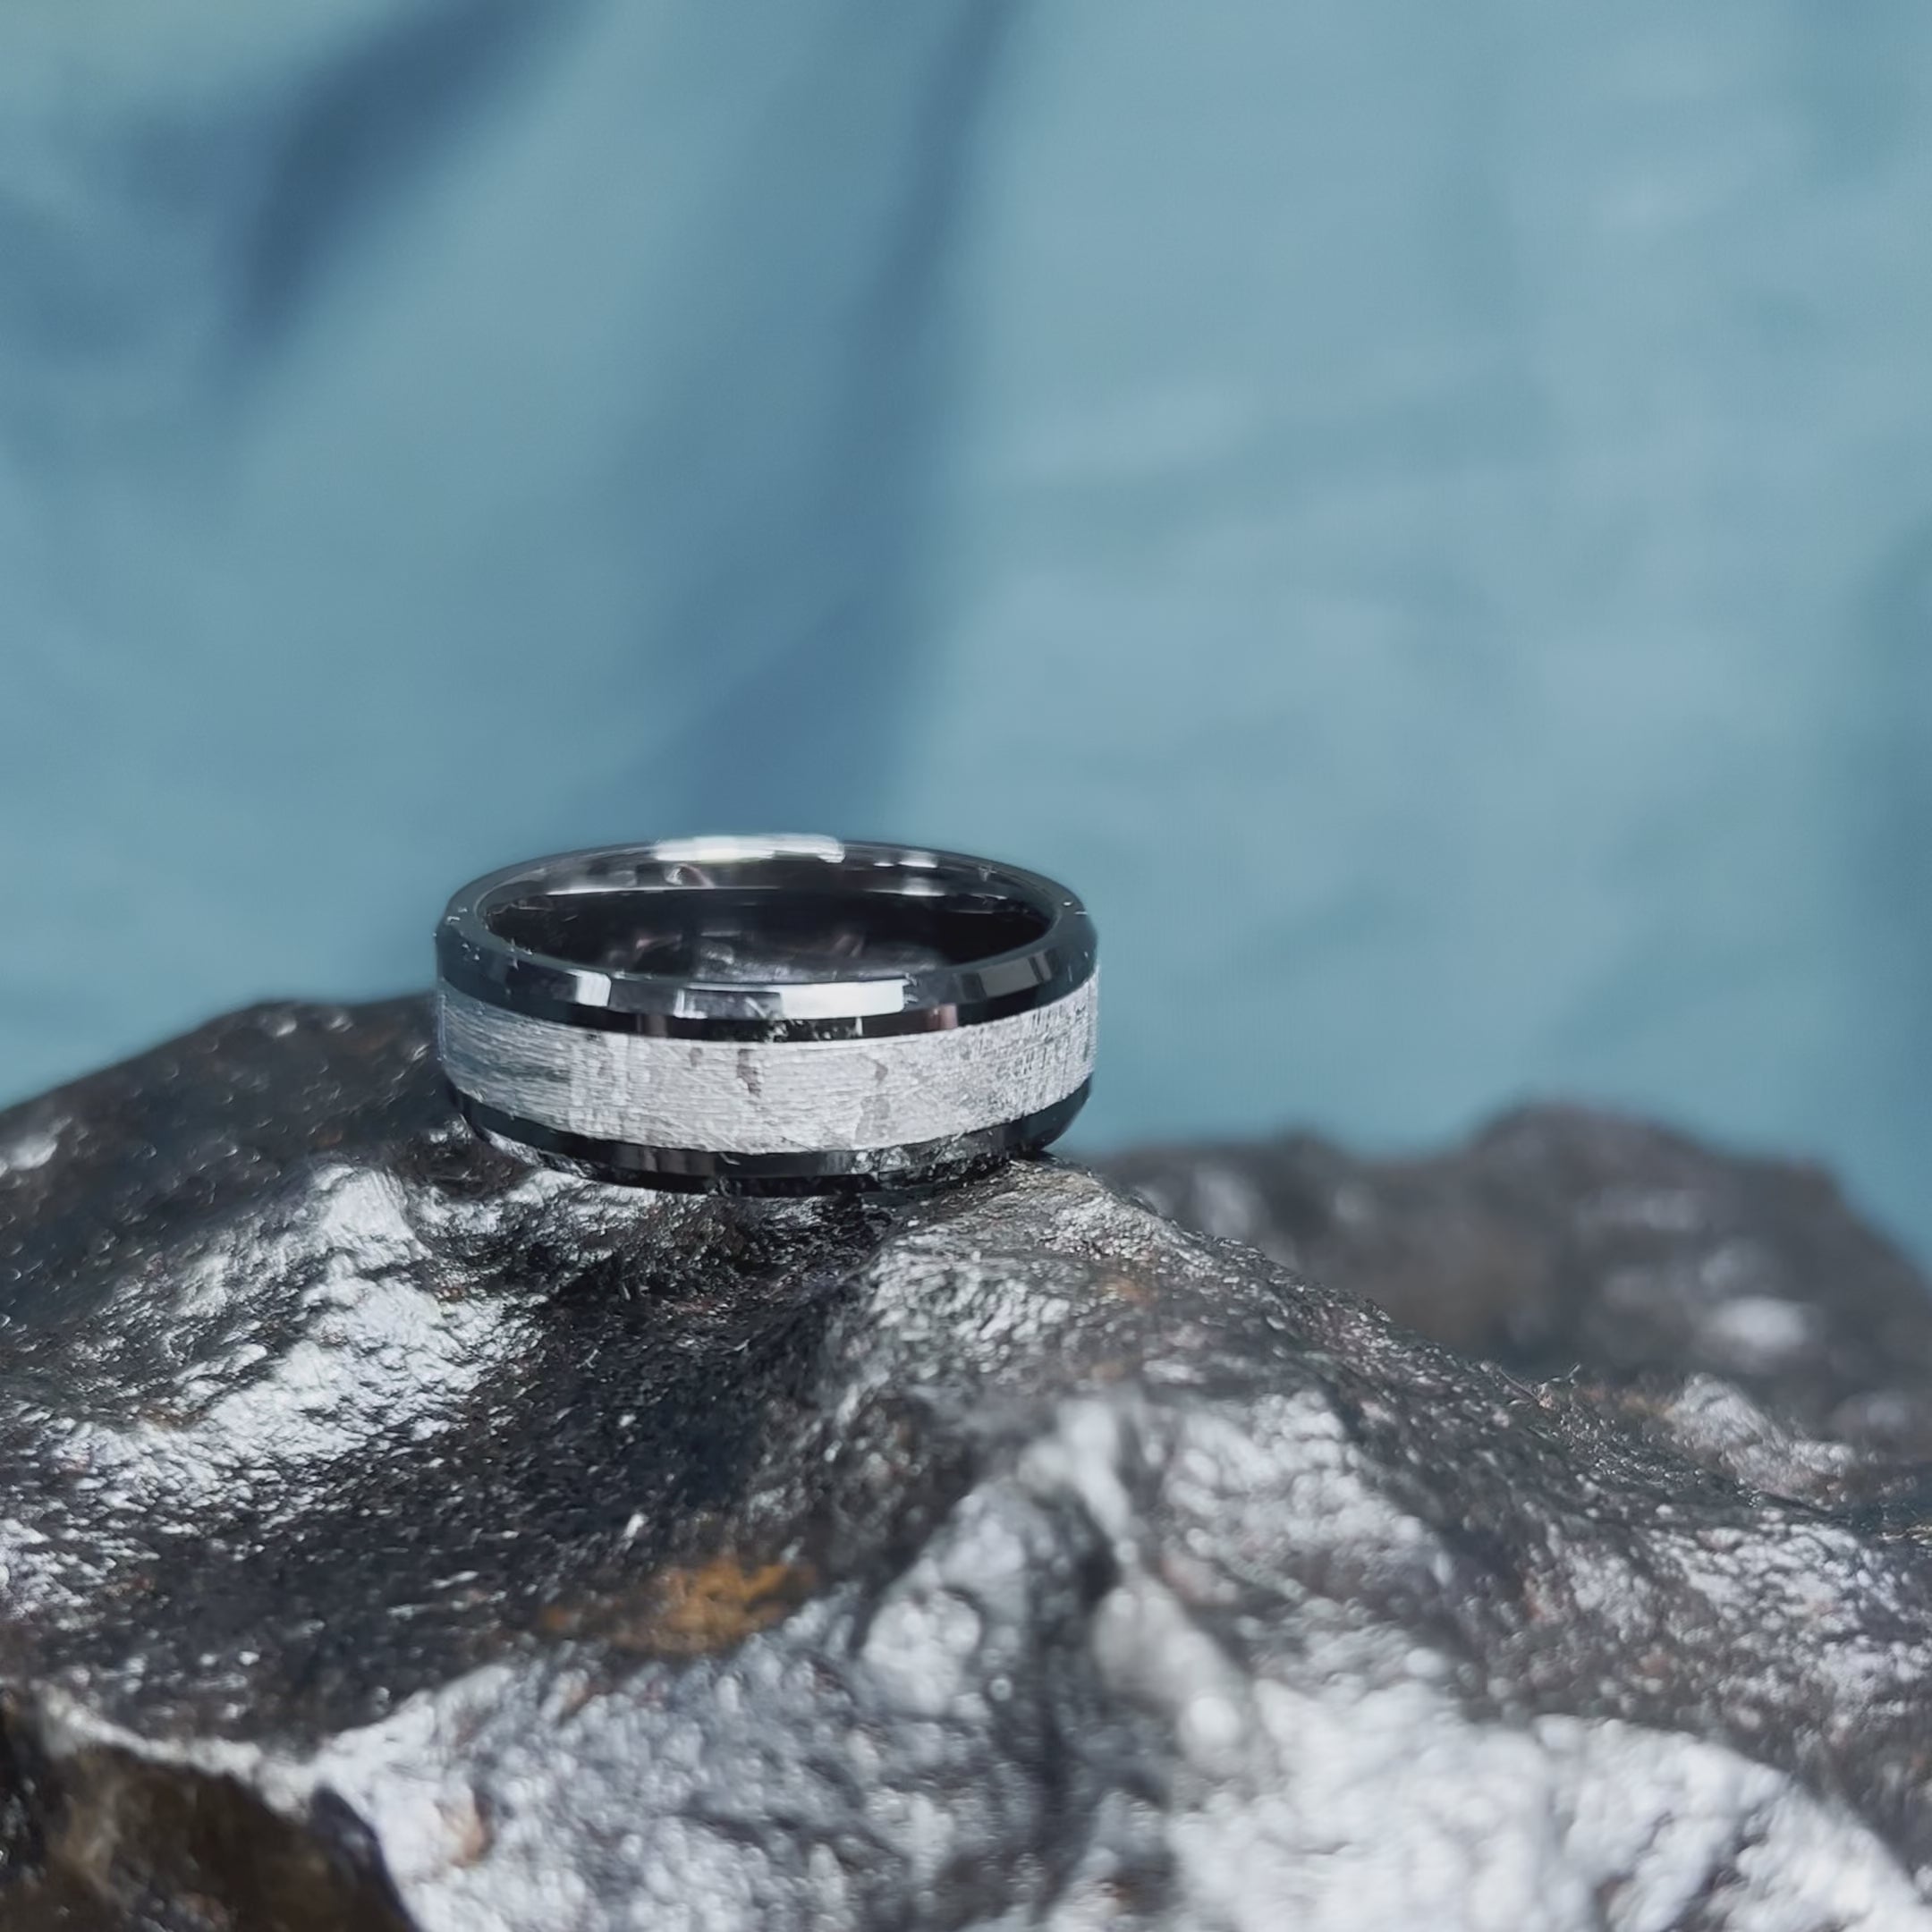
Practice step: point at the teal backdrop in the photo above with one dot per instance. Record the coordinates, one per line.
(1424, 513)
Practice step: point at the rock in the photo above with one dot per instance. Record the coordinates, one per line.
(1562, 1238)
(395, 1536)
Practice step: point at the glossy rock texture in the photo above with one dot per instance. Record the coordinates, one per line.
(393, 1535)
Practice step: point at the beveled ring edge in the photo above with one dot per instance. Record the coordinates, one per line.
(475, 961)
(834, 1171)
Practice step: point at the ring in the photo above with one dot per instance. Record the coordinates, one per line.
(767, 1015)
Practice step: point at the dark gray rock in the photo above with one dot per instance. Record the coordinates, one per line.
(1561, 1238)
(395, 1536)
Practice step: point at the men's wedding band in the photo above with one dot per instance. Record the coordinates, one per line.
(766, 1015)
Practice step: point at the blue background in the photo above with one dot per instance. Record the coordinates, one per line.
(1423, 515)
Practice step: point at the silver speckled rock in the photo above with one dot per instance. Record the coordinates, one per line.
(394, 1536)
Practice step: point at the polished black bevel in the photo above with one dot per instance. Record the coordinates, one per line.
(695, 1171)
(539, 1004)
(766, 940)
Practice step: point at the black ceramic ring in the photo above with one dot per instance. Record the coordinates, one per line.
(783, 1015)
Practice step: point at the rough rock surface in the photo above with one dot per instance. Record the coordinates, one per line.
(391, 1535)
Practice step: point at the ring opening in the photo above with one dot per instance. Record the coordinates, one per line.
(796, 934)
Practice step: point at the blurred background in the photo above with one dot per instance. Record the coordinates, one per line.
(1423, 515)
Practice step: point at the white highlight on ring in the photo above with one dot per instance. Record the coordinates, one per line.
(735, 847)
(756, 1096)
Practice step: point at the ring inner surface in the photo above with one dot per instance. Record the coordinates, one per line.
(778, 934)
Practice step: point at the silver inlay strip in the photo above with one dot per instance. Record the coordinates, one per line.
(742, 1096)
